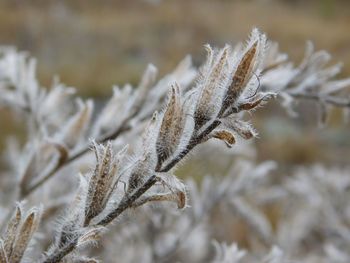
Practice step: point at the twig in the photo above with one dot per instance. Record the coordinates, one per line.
(195, 140)
(75, 156)
(335, 101)
(124, 204)
(128, 200)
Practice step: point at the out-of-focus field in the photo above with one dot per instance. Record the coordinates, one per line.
(93, 45)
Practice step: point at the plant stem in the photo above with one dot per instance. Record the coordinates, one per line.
(25, 192)
(335, 101)
(126, 202)
(195, 140)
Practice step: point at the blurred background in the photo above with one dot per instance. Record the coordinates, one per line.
(92, 45)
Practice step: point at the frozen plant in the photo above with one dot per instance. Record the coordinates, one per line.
(139, 137)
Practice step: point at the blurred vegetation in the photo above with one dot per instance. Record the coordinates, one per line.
(93, 45)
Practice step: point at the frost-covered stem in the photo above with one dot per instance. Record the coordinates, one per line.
(25, 193)
(128, 201)
(123, 128)
(335, 101)
(195, 140)
(58, 255)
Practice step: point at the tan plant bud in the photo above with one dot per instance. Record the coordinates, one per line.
(177, 188)
(147, 81)
(241, 76)
(77, 125)
(142, 169)
(103, 179)
(172, 126)
(24, 235)
(11, 230)
(213, 84)
(225, 136)
(91, 236)
(243, 129)
(255, 101)
(179, 198)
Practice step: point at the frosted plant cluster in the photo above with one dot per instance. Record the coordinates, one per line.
(93, 185)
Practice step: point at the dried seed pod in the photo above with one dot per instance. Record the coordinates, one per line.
(177, 188)
(145, 162)
(102, 181)
(224, 135)
(11, 230)
(242, 128)
(172, 126)
(251, 103)
(24, 234)
(177, 197)
(98, 181)
(249, 63)
(114, 113)
(147, 81)
(91, 236)
(205, 70)
(181, 200)
(149, 136)
(241, 76)
(212, 86)
(142, 169)
(76, 127)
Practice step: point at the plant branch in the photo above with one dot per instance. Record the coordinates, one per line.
(126, 202)
(335, 101)
(195, 140)
(123, 128)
